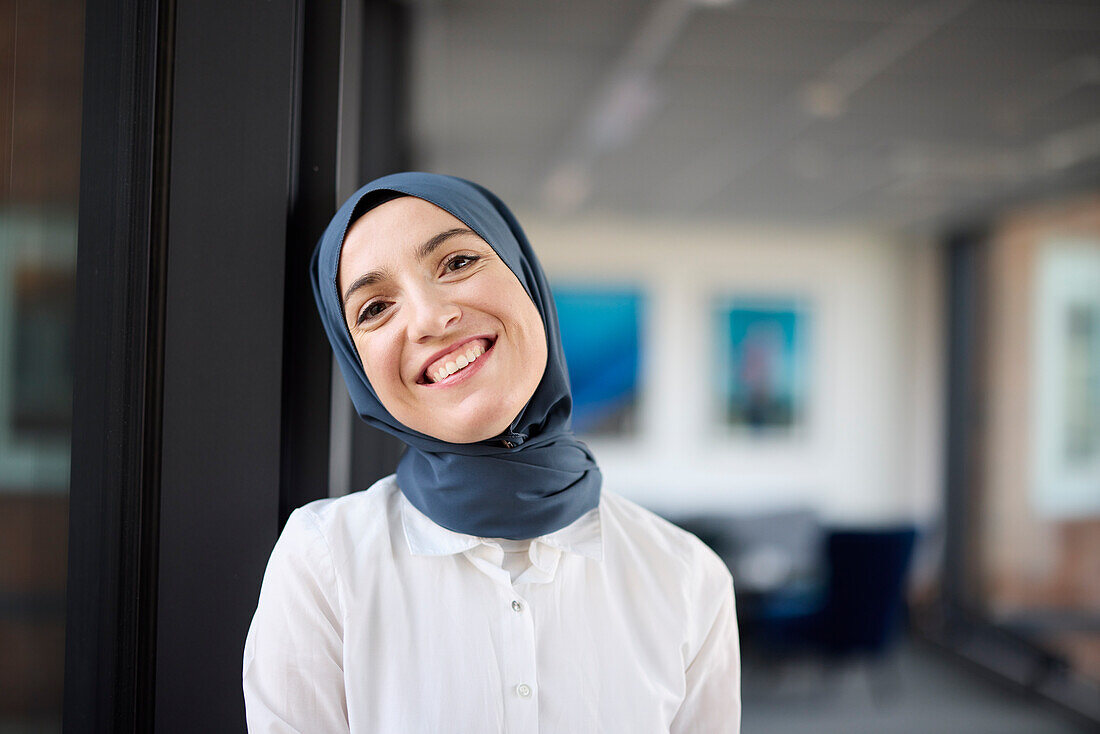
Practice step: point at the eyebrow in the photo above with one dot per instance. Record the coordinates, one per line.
(423, 251)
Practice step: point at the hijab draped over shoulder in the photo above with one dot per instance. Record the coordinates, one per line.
(532, 479)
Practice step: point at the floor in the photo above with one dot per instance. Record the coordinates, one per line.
(920, 690)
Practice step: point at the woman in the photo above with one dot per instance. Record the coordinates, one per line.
(489, 585)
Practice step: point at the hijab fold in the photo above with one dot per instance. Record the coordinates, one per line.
(532, 479)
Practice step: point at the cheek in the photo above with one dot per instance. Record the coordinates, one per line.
(381, 359)
(535, 351)
(506, 296)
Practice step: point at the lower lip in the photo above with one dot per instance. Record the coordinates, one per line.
(465, 373)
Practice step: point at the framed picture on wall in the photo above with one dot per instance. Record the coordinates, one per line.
(601, 335)
(760, 377)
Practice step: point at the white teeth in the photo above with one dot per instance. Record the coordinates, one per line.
(450, 368)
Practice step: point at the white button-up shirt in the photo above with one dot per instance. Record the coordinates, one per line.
(372, 618)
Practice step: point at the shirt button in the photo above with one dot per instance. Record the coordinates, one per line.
(524, 690)
(517, 606)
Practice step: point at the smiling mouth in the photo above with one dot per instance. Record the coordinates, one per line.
(456, 361)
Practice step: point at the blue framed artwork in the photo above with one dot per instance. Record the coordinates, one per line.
(762, 368)
(601, 335)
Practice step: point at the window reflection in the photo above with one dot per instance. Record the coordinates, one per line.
(41, 64)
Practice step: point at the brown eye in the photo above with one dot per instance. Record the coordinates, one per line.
(458, 262)
(372, 311)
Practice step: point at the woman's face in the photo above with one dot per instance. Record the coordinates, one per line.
(448, 337)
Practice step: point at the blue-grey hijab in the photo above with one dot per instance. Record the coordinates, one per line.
(534, 478)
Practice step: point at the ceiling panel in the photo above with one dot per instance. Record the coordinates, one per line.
(571, 24)
(774, 48)
(895, 112)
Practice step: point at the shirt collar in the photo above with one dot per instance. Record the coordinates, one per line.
(583, 536)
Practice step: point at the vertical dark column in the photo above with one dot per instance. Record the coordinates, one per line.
(202, 387)
(383, 148)
(111, 593)
(966, 260)
(384, 113)
(231, 182)
(307, 358)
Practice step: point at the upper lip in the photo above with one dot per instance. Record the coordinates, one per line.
(446, 350)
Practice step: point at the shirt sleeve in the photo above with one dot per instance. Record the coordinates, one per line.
(293, 656)
(712, 702)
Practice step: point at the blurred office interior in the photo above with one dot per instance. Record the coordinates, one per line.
(829, 281)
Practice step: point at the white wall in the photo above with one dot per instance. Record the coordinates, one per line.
(871, 449)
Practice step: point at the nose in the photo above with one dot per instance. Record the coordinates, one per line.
(431, 313)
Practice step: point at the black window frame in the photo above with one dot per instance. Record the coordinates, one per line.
(202, 387)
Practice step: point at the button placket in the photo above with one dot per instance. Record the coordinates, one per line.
(520, 671)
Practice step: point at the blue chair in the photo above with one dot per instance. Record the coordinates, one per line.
(865, 597)
(855, 616)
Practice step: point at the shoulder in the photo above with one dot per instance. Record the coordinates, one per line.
(367, 505)
(349, 525)
(632, 531)
(671, 572)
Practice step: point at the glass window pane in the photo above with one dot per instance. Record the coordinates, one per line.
(41, 65)
(1039, 536)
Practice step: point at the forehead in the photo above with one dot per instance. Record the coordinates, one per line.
(392, 230)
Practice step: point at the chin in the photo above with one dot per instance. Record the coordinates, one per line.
(477, 433)
(473, 428)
